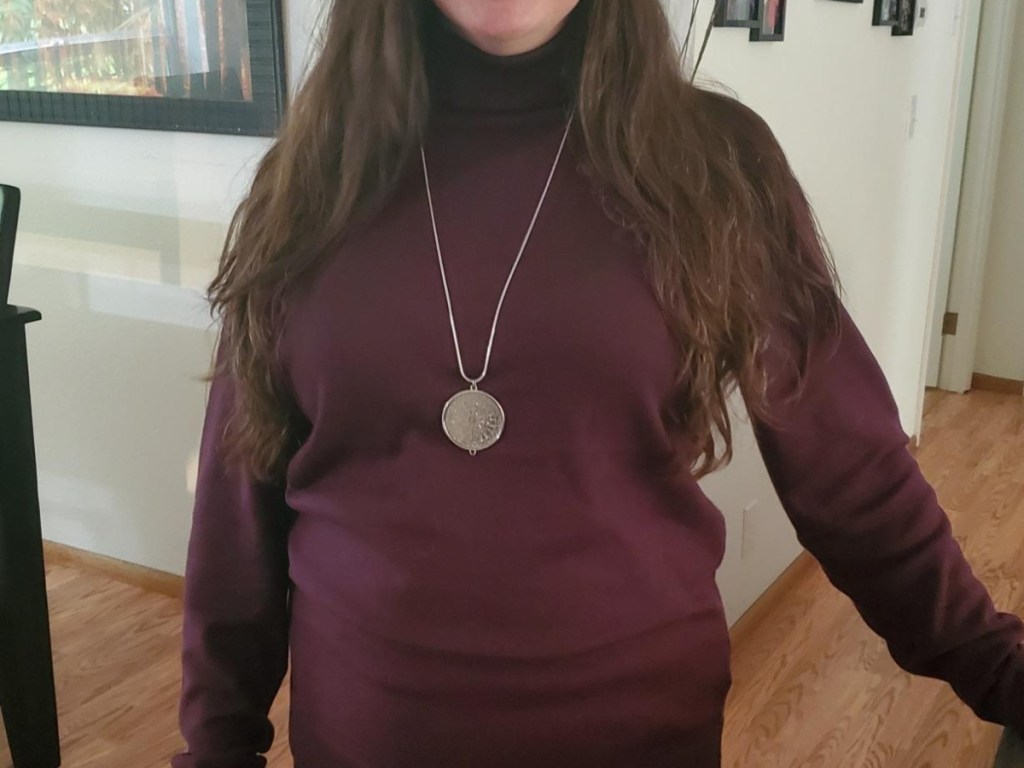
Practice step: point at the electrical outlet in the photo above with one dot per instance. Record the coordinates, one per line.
(746, 530)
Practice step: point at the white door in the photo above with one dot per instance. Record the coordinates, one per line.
(970, 236)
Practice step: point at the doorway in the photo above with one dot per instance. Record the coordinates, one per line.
(988, 97)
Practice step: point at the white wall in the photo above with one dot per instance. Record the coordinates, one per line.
(122, 229)
(837, 92)
(1001, 327)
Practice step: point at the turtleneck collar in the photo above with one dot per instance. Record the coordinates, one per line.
(462, 76)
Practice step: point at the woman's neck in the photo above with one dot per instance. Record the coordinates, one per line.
(466, 77)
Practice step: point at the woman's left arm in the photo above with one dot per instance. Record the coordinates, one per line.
(839, 460)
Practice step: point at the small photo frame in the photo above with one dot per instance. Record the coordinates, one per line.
(737, 13)
(886, 13)
(905, 17)
(771, 23)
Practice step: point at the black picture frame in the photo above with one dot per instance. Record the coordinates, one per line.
(254, 109)
(885, 13)
(907, 15)
(737, 13)
(770, 29)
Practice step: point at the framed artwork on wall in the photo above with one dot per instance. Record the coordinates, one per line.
(771, 22)
(737, 13)
(886, 12)
(905, 17)
(210, 66)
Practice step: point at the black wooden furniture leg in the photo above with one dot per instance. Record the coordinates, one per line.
(27, 697)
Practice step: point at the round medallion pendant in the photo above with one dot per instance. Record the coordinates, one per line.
(473, 420)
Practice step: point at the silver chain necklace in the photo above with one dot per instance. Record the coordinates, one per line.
(472, 418)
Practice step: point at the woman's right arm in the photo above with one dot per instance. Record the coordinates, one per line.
(235, 637)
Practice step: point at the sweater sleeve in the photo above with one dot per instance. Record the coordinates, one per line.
(839, 460)
(235, 636)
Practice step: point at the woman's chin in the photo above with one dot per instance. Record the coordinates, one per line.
(507, 27)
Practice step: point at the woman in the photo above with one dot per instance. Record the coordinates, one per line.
(482, 311)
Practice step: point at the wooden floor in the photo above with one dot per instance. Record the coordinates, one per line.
(813, 687)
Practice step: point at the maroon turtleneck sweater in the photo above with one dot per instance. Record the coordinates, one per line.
(550, 601)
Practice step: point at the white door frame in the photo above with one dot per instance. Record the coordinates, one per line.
(973, 223)
(968, 26)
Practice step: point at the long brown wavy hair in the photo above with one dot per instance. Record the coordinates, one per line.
(734, 253)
